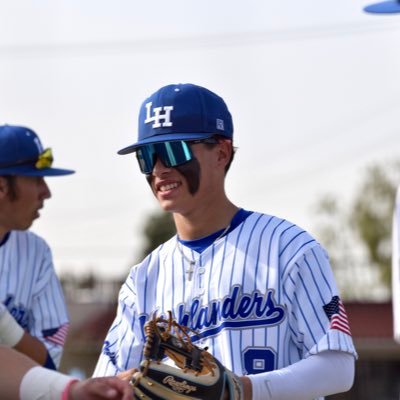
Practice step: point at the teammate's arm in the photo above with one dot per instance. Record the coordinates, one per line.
(12, 335)
(34, 349)
(24, 379)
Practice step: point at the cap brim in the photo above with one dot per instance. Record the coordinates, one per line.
(384, 7)
(28, 170)
(164, 138)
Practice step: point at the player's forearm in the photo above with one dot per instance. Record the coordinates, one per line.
(33, 348)
(14, 367)
(24, 379)
(12, 335)
(42, 384)
(319, 375)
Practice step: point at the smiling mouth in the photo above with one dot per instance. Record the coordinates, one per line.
(170, 186)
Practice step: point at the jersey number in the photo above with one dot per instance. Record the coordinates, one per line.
(258, 360)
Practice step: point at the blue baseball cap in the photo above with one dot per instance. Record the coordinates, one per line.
(181, 112)
(22, 153)
(384, 7)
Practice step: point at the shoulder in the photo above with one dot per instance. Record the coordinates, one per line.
(28, 239)
(153, 259)
(29, 252)
(277, 227)
(285, 238)
(160, 252)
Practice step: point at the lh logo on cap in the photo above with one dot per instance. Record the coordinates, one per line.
(158, 116)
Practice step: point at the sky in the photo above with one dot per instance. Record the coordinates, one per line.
(313, 87)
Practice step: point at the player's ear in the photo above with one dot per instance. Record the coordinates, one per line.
(224, 151)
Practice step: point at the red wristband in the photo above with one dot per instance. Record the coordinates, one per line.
(65, 392)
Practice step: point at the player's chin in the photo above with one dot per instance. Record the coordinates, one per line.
(167, 205)
(35, 216)
(23, 226)
(29, 220)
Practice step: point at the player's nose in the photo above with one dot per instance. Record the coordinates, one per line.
(45, 192)
(159, 167)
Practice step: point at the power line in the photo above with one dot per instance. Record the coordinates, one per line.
(164, 44)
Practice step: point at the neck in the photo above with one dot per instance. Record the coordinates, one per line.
(200, 224)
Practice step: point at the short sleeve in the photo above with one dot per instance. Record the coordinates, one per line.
(316, 312)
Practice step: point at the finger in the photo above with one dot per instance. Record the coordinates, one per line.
(102, 388)
(127, 375)
(117, 387)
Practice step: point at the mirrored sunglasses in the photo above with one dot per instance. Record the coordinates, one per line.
(171, 153)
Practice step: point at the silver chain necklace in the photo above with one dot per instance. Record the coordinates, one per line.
(192, 262)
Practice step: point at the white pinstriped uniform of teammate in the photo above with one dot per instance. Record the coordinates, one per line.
(31, 291)
(259, 290)
(33, 313)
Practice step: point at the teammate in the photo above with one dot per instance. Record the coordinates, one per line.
(33, 314)
(384, 7)
(24, 379)
(396, 267)
(258, 289)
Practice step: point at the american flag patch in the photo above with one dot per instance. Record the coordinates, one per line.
(56, 335)
(337, 315)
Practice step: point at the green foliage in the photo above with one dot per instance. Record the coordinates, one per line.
(159, 227)
(372, 215)
(358, 237)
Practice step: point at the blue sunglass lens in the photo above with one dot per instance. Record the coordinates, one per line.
(171, 154)
(146, 158)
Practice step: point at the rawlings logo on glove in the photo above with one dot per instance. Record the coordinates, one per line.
(197, 375)
(180, 387)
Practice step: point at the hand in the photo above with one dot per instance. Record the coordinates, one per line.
(247, 389)
(127, 375)
(106, 388)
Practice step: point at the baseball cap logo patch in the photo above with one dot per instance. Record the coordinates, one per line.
(158, 116)
(220, 124)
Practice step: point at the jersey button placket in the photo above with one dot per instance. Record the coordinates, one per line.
(200, 281)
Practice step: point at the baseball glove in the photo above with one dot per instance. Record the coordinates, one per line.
(197, 375)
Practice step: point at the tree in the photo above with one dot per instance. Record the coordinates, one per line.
(358, 236)
(158, 228)
(372, 216)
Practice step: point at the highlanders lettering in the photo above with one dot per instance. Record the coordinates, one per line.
(234, 310)
(20, 313)
(237, 310)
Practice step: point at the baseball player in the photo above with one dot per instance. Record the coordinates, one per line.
(384, 7)
(24, 379)
(33, 314)
(258, 289)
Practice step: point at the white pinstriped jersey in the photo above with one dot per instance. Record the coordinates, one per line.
(257, 298)
(31, 291)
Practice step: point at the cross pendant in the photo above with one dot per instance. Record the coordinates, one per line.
(190, 270)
